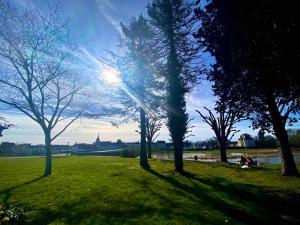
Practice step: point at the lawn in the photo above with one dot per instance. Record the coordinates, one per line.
(112, 190)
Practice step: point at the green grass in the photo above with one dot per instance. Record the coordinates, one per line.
(112, 190)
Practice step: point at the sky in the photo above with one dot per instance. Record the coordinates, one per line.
(99, 20)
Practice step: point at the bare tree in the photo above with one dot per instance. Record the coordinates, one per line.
(35, 73)
(223, 126)
(189, 129)
(153, 126)
(4, 125)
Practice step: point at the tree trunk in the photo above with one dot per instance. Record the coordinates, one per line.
(177, 121)
(223, 155)
(178, 158)
(177, 117)
(149, 148)
(288, 163)
(143, 150)
(48, 166)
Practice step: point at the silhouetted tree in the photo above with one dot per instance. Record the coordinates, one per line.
(223, 125)
(35, 77)
(4, 125)
(153, 126)
(253, 43)
(260, 140)
(140, 90)
(294, 137)
(174, 24)
(270, 142)
(211, 143)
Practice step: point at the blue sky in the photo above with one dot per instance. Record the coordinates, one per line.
(99, 20)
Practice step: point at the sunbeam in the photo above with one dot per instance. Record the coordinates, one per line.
(111, 76)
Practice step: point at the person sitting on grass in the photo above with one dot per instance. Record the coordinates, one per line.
(250, 161)
(243, 160)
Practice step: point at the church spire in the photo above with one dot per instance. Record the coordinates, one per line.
(98, 141)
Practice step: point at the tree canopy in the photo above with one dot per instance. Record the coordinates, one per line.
(254, 45)
(174, 26)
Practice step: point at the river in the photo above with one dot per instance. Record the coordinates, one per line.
(232, 157)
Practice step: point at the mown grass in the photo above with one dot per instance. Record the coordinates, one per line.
(112, 190)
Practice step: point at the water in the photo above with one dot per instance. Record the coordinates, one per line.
(232, 157)
(202, 157)
(268, 160)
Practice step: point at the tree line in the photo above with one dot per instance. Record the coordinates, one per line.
(252, 70)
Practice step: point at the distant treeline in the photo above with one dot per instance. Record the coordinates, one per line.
(11, 149)
(294, 137)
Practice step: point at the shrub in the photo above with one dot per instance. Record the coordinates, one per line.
(11, 215)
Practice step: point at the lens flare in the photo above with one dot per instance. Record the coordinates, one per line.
(111, 76)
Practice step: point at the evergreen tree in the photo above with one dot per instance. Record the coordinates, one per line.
(254, 45)
(141, 90)
(174, 24)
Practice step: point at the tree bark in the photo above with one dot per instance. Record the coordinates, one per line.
(149, 148)
(223, 155)
(48, 167)
(287, 159)
(143, 149)
(177, 120)
(178, 149)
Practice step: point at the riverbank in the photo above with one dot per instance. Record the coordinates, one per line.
(232, 154)
(113, 190)
(233, 150)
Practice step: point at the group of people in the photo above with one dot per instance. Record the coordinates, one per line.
(247, 162)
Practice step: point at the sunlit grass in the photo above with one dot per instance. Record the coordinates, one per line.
(112, 190)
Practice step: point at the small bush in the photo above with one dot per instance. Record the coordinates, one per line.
(11, 215)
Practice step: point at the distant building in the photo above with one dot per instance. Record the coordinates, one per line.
(233, 144)
(246, 141)
(132, 145)
(97, 143)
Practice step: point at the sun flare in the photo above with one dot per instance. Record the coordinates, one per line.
(111, 76)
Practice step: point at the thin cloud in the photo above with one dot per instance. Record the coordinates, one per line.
(198, 102)
(106, 8)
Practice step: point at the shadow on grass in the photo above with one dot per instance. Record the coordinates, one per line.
(246, 204)
(121, 212)
(242, 203)
(6, 193)
(233, 165)
(269, 201)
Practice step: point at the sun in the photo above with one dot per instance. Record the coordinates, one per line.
(111, 76)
